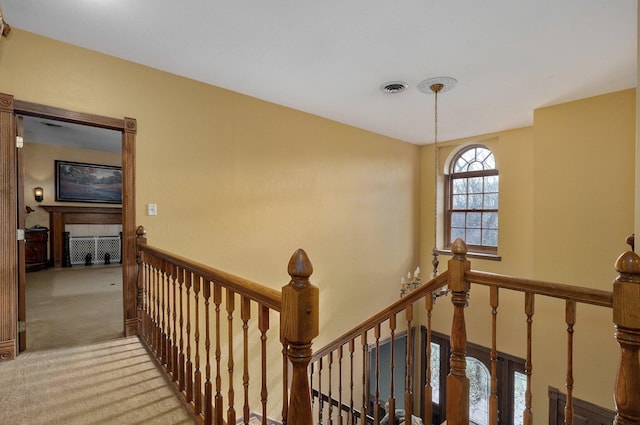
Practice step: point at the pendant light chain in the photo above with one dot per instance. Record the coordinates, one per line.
(436, 89)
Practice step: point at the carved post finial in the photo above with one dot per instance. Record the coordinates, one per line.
(299, 325)
(626, 318)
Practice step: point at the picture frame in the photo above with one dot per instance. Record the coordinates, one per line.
(83, 182)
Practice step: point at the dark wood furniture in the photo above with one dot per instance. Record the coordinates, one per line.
(35, 249)
(59, 216)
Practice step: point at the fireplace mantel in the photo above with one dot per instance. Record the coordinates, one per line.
(61, 215)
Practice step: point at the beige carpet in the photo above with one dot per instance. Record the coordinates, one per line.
(112, 382)
(74, 306)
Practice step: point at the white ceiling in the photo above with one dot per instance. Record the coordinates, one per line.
(330, 57)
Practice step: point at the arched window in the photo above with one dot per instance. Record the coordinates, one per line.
(472, 201)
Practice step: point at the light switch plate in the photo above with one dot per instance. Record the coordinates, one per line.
(152, 209)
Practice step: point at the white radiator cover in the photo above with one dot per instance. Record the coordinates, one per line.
(97, 246)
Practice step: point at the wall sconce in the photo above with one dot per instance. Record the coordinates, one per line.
(38, 193)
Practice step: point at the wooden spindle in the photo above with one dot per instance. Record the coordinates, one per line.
(181, 359)
(528, 367)
(245, 315)
(493, 398)
(330, 395)
(457, 381)
(428, 389)
(285, 379)
(626, 318)
(570, 318)
(169, 341)
(320, 399)
(231, 306)
(365, 375)
(188, 381)
(217, 301)
(299, 325)
(408, 387)
(155, 344)
(340, 357)
(263, 326)
(352, 345)
(197, 375)
(376, 402)
(141, 239)
(208, 391)
(174, 348)
(163, 324)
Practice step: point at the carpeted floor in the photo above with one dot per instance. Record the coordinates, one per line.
(112, 382)
(75, 306)
(78, 369)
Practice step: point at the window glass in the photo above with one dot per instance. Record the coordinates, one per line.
(479, 391)
(435, 373)
(473, 200)
(520, 386)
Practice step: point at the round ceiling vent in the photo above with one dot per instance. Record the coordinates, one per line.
(394, 87)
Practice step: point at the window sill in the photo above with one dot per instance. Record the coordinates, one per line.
(478, 255)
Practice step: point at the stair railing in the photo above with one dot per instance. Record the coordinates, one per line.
(360, 373)
(182, 306)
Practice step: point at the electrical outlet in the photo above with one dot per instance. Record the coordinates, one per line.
(152, 209)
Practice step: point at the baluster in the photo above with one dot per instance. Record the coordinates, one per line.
(157, 331)
(217, 300)
(299, 326)
(392, 367)
(428, 389)
(208, 407)
(528, 367)
(365, 377)
(340, 355)
(154, 303)
(147, 298)
(231, 305)
(245, 314)
(570, 314)
(197, 375)
(285, 381)
(263, 325)
(141, 239)
(174, 349)
(408, 390)
(330, 395)
(188, 278)
(457, 381)
(493, 398)
(163, 338)
(376, 403)
(626, 317)
(320, 398)
(181, 359)
(352, 344)
(169, 341)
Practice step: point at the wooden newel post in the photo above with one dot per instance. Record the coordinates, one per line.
(141, 239)
(457, 381)
(299, 325)
(626, 318)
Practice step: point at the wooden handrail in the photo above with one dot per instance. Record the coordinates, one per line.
(383, 315)
(557, 290)
(266, 296)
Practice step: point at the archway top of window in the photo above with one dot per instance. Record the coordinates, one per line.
(459, 151)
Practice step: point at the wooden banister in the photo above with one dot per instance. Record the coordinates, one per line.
(269, 297)
(626, 317)
(299, 325)
(457, 381)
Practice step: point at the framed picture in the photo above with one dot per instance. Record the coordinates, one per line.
(80, 182)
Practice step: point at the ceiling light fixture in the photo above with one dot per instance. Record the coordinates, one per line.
(436, 86)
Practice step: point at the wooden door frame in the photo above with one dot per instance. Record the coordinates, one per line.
(8, 211)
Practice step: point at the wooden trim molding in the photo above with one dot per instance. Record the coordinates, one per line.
(8, 230)
(8, 209)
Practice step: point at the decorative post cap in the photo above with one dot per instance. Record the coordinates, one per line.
(628, 263)
(459, 247)
(140, 232)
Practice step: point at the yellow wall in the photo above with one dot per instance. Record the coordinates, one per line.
(241, 183)
(39, 171)
(566, 206)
